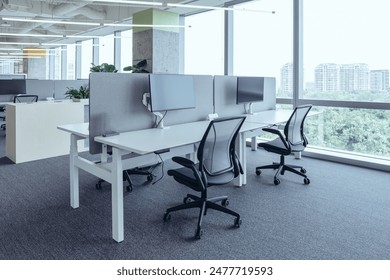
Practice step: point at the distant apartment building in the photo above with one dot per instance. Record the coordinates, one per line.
(379, 80)
(326, 77)
(354, 77)
(286, 79)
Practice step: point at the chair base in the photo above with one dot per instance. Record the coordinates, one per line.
(204, 204)
(282, 167)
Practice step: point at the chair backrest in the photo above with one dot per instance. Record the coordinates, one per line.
(216, 152)
(25, 98)
(294, 126)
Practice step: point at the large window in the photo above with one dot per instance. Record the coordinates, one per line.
(126, 49)
(346, 51)
(106, 49)
(86, 58)
(346, 75)
(71, 62)
(204, 43)
(262, 42)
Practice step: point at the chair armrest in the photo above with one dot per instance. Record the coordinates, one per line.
(280, 135)
(273, 131)
(184, 162)
(199, 176)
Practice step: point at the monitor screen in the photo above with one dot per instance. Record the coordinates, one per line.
(171, 92)
(13, 87)
(250, 89)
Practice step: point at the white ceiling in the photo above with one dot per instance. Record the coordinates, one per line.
(80, 11)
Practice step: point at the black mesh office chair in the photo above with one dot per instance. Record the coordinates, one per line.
(25, 98)
(20, 98)
(293, 140)
(2, 117)
(218, 165)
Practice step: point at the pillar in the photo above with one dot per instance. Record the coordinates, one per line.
(158, 45)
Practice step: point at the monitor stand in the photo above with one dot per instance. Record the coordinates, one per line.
(249, 110)
(160, 120)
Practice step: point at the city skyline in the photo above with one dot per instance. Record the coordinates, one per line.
(330, 77)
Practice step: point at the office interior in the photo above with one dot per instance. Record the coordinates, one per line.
(342, 214)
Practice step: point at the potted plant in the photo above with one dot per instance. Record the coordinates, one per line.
(77, 94)
(104, 67)
(137, 68)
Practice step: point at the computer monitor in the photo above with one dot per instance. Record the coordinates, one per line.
(13, 87)
(171, 92)
(250, 90)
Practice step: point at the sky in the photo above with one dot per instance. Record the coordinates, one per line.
(335, 31)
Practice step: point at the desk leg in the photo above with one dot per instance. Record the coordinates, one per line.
(254, 143)
(74, 172)
(240, 147)
(117, 196)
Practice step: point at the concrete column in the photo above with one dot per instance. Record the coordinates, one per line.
(158, 45)
(35, 67)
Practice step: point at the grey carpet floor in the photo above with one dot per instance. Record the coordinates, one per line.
(343, 214)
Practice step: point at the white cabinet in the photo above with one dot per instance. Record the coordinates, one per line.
(31, 129)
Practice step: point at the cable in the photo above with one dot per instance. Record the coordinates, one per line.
(155, 119)
(162, 170)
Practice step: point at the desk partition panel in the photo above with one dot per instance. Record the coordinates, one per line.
(116, 105)
(42, 88)
(225, 88)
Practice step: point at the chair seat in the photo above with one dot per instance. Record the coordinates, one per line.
(277, 146)
(186, 176)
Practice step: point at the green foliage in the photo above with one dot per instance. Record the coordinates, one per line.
(356, 130)
(137, 68)
(104, 67)
(82, 92)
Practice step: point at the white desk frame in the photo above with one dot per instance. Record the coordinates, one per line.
(133, 143)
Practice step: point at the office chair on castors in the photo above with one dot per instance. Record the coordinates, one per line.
(25, 98)
(20, 98)
(145, 171)
(293, 140)
(218, 165)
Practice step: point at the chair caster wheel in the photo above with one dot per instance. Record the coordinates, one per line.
(186, 200)
(198, 233)
(129, 188)
(306, 181)
(303, 170)
(149, 178)
(167, 217)
(258, 172)
(237, 222)
(225, 203)
(276, 182)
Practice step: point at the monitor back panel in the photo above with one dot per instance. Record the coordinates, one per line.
(225, 94)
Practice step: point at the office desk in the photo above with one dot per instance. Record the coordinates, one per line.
(147, 146)
(270, 117)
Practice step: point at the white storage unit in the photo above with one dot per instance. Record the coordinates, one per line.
(31, 128)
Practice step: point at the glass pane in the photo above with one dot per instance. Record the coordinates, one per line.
(126, 49)
(86, 58)
(361, 131)
(71, 65)
(346, 50)
(106, 49)
(204, 43)
(54, 66)
(263, 42)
